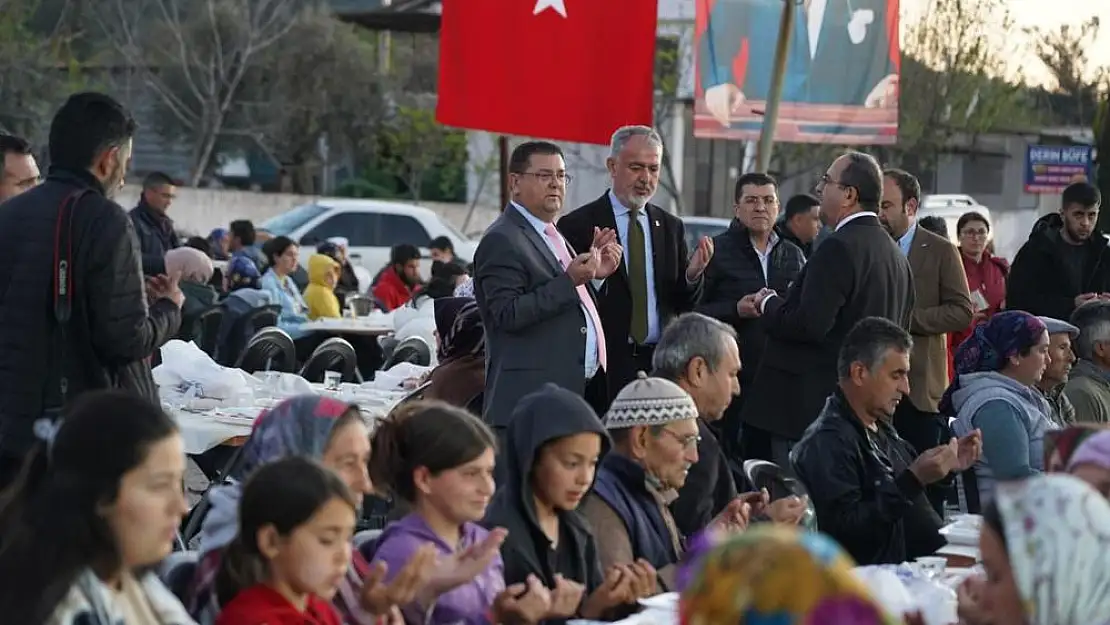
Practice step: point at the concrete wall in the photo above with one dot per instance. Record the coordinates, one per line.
(198, 211)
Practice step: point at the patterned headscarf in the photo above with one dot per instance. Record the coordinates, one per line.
(298, 426)
(990, 346)
(774, 575)
(1058, 537)
(460, 328)
(992, 343)
(242, 273)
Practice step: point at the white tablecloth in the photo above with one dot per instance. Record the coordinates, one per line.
(376, 323)
(206, 423)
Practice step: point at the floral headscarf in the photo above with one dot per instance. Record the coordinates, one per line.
(298, 426)
(773, 575)
(466, 289)
(991, 344)
(1058, 537)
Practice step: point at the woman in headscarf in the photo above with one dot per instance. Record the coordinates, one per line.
(1091, 462)
(194, 269)
(460, 377)
(1044, 546)
(324, 429)
(347, 283)
(996, 369)
(774, 575)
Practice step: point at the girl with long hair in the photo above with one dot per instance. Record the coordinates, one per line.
(97, 505)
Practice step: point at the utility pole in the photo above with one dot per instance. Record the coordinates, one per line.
(774, 96)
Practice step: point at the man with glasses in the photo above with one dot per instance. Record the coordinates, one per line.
(658, 279)
(857, 272)
(750, 256)
(536, 293)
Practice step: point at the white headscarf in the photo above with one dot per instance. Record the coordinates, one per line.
(1058, 538)
(339, 242)
(466, 289)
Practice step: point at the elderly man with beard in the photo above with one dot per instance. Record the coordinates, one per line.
(1055, 376)
(94, 329)
(657, 279)
(700, 354)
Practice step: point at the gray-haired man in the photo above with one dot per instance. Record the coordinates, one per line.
(1061, 358)
(1088, 387)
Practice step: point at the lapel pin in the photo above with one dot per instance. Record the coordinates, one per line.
(656, 223)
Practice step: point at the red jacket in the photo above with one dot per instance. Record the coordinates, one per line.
(262, 605)
(391, 290)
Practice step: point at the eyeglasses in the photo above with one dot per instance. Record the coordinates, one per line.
(688, 442)
(547, 176)
(826, 180)
(969, 232)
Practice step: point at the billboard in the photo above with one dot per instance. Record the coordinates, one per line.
(841, 81)
(1051, 168)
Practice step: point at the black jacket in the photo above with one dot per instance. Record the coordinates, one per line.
(545, 415)
(784, 231)
(155, 235)
(857, 272)
(869, 502)
(112, 331)
(1040, 281)
(735, 272)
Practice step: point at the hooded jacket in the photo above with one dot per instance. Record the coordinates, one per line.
(1040, 280)
(541, 417)
(318, 295)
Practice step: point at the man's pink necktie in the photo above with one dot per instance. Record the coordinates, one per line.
(583, 293)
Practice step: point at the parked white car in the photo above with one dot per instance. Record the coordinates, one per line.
(950, 207)
(698, 227)
(371, 228)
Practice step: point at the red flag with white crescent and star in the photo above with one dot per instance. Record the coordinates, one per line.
(567, 70)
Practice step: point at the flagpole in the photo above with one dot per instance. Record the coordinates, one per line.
(503, 148)
(774, 96)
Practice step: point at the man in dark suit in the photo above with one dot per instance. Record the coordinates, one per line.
(534, 291)
(857, 272)
(841, 52)
(656, 280)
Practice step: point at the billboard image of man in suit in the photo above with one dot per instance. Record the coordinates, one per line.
(842, 55)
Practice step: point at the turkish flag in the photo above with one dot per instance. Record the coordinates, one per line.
(568, 70)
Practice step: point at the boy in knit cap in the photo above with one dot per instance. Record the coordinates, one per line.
(653, 425)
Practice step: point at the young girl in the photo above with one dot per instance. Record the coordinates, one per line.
(98, 503)
(556, 442)
(439, 460)
(296, 520)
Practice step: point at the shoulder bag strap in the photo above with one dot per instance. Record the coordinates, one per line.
(57, 392)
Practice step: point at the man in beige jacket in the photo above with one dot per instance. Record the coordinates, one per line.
(942, 304)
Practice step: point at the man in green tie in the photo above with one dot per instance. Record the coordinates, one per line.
(658, 278)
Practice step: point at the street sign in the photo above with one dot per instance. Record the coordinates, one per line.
(1051, 168)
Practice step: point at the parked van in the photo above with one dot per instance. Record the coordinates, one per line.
(950, 207)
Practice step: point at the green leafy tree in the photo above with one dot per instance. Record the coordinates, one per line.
(953, 77)
(414, 143)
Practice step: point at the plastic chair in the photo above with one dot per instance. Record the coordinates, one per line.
(208, 324)
(414, 350)
(271, 349)
(334, 354)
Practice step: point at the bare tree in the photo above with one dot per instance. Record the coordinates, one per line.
(36, 71)
(1064, 52)
(953, 76)
(193, 56)
(324, 75)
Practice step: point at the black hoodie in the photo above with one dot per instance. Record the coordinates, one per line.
(549, 413)
(1042, 281)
